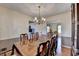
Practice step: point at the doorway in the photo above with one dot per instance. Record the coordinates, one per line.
(59, 30)
(59, 52)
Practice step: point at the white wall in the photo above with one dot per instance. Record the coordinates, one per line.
(12, 23)
(65, 20)
(41, 28)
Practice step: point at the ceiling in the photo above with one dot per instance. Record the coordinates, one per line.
(31, 9)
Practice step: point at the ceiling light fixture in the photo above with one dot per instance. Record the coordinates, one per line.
(39, 19)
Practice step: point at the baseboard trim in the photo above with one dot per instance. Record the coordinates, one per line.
(9, 38)
(66, 46)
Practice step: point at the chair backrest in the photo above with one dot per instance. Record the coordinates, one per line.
(47, 48)
(37, 35)
(40, 49)
(26, 36)
(33, 36)
(48, 43)
(44, 50)
(23, 38)
(53, 45)
(49, 34)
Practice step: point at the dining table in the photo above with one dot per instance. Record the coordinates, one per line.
(29, 48)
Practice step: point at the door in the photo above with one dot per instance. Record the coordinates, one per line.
(59, 30)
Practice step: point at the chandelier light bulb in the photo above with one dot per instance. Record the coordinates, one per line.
(35, 18)
(43, 19)
(37, 21)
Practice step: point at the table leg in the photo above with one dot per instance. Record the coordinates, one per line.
(13, 49)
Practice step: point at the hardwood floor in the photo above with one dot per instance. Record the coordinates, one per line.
(66, 51)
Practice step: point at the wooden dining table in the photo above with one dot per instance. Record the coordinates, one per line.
(29, 48)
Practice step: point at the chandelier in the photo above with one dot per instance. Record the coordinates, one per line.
(39, 19)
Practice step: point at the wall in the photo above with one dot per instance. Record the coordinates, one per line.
(12, 23)
(65, 20)
(41, 28)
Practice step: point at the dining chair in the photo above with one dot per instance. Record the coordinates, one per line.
(33, 37)
(37, 35)
(40, 49)
(48, 46)
(23, 38)
(45, 49)
(52, 48)
(26, 36)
